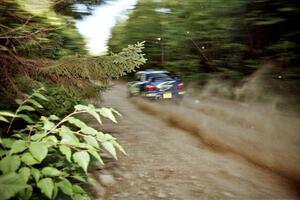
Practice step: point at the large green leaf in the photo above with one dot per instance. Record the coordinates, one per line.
(92, 111)
(110, 148)
(39, 150)
(48, 125)
(3, 119)
(68, 136)
(10, 185)
(35, 103)
(96, 115)
(106, 112)
(19, 101)
(66, 151)
(26, 118)
(91, 141)
(40, 96)
(117, 112)
(109, 137)
(53, 118)
(83, 145)
(78, 189)
(96, 155)
(36, 174)
(89, 131)
(26, 107)
(79, 178)
(7, 142)
(118, 146)
(82, 158)
(76, 122)
(18, 146)
(10, 164)
(55, 191)
(26, 193)
(24, 173)
(7, 114)
(50, 140)
(80, 107)
(80, 194)
(66, 186)
(100, 137)
(51, 171)
(46, 186)
(28, 159)
(38, 136)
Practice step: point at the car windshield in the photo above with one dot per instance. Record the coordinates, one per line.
(158, 77)
(173, 76)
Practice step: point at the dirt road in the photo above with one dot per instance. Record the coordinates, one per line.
(166, 161)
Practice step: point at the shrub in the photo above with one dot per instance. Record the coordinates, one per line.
(61, 100)
(50, 153)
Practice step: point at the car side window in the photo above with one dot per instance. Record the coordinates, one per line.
(143, 77)
(138, 77)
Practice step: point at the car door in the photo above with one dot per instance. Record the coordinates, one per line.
(134, 87)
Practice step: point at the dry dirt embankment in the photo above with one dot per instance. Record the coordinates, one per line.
(263, 136)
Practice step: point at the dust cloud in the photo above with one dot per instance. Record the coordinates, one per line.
(246, 124)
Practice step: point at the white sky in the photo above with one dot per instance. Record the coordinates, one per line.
(96, 28)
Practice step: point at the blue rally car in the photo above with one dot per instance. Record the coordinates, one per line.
(155, 85)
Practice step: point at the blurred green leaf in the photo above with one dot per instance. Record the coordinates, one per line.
(24, 173)
(28, 159)
(91, 141)
(18, 146)
(66, 151)
(10, 164)
(66, 186)
(26, 107)
(110, 148)
(10, 185)
(36, 174)
(51, 171)
(38, 150)
(82, 158)
(40, 96)
(26, 118)
(46, 186)
(96, 155)
(68, 136)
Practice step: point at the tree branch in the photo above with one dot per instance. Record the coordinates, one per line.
(30, 34)
(15, 29)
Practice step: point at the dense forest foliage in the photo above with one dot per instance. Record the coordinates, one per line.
(46, 148)
(32, 37)
(40, 46)
(229, 41)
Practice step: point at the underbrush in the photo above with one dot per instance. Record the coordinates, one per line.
(47, 156)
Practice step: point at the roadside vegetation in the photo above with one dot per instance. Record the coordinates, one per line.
(45, 77)
(48, 155)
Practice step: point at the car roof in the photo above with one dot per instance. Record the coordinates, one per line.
(152, 72)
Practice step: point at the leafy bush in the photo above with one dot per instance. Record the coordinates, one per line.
(49, 154)
(61, 100)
